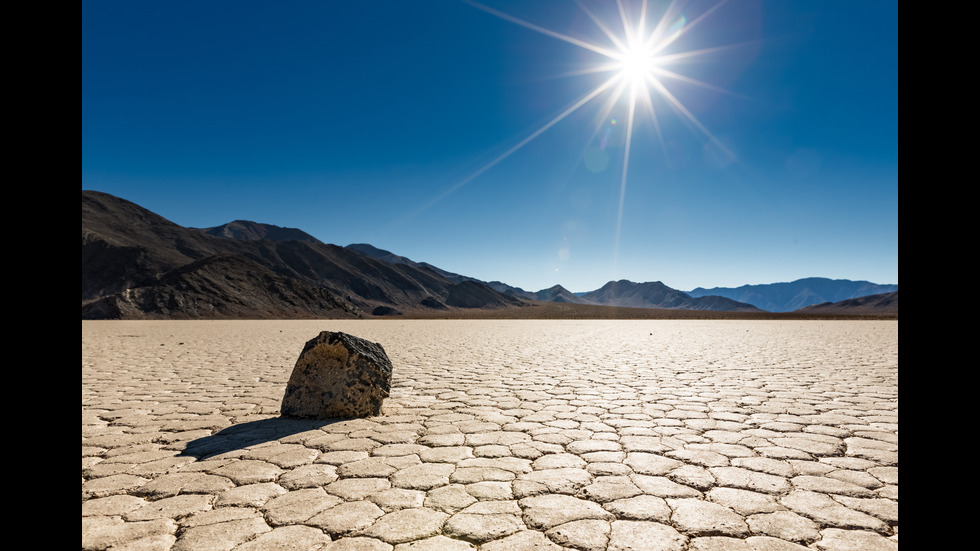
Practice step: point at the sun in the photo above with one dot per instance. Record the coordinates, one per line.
(638, 60)
(637, 64)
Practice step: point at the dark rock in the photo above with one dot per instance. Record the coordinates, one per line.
(338, 376)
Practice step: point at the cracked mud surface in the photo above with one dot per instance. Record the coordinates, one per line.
(498, 436)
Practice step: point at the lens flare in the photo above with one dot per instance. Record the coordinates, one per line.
(637, 61)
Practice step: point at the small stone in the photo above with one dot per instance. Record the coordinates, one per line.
(338, 375)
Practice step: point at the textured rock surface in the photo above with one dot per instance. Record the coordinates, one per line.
(338, 375)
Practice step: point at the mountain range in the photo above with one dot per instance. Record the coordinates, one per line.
(793, 295)
(139, 265)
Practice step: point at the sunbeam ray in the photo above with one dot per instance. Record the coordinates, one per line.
(575, 106)
(580, 43)
(626, 162)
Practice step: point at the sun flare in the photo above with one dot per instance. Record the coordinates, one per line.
(637, 57)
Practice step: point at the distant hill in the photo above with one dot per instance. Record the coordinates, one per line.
(885, 303)
(558, 293)
(657, 295)
(139, 265)
(791, 296)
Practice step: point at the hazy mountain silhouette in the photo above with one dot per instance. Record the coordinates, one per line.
(790, 296)
(657, 295)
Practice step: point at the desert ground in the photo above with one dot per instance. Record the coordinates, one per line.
(498, 435)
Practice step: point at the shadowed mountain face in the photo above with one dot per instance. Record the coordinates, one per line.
(657, 295)
(790, 296)
(885, 303)
(387, 256)
(136, 264)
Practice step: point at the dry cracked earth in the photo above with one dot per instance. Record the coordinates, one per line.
(497, 436)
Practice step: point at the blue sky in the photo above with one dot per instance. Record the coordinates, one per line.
(443, 130)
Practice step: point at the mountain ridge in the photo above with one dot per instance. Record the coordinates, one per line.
(137, 264)
(654, 293)
(247, 230)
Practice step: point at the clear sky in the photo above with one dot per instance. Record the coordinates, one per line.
(532, 142)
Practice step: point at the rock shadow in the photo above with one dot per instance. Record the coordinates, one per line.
(243, 435)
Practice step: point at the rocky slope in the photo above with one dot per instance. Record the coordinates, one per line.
(137, 264)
